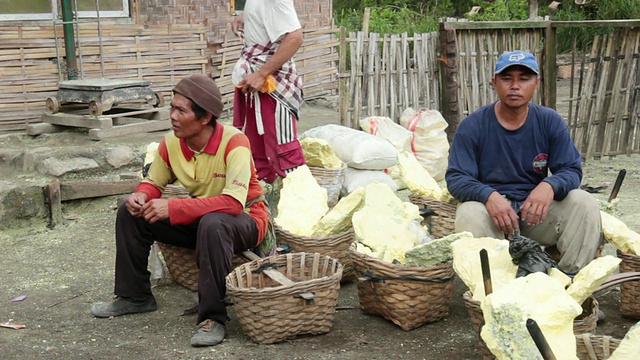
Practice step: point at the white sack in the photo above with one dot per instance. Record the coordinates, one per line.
(430, 144)
(356, 148)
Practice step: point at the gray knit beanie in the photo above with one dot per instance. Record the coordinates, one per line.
(203, 91)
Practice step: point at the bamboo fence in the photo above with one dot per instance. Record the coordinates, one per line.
(387, 74)
(607, 100)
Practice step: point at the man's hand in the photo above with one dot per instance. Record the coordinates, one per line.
(154, 210)
(134, 203)
(252, 82)
(502, 213)
(238, 25)
(535, 207)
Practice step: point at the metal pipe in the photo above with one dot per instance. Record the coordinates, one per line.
(69, 40)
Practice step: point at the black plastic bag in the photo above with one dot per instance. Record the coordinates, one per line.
(530, 258)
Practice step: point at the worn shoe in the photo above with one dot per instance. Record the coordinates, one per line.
(123, 306)
(210, 333)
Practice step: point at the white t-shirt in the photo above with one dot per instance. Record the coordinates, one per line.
(268, 20)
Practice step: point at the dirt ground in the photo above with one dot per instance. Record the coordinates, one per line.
(62, 271)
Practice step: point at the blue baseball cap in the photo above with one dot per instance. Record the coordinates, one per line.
(517, 57)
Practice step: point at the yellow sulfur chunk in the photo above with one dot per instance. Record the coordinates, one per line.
(560, 276)
(318, 152)
(386, 224)
(338, 219)
(466, 263)
(536, 296)
(302, 202)
(591, 276)
(416, 177)
(629, 347)
(617, 233)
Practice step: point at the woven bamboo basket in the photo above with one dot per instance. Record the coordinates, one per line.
(595, 347)
(629, 290)
(444, 222)
(407, 296)
(181, 262)
(331, 180)
(269, 312)
(583, 324)
(335, 246)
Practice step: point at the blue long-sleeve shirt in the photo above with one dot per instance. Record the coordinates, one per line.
(485, 157)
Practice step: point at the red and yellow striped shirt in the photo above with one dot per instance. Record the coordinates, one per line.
(220, 178)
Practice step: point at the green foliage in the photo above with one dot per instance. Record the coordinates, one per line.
(398, 16)
(594, 10)
(506, 10)
(599, 10)
(395, 16)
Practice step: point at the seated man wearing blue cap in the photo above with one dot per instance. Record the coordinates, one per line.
(514, 167)
(224, 215)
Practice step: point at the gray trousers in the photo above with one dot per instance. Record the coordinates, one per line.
(573, 225)
(216, 238)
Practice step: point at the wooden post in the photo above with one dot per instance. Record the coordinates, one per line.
(342, 77)
(549, 74)
(449, 103)
(533, 9)
(53, 198)
(365, 21)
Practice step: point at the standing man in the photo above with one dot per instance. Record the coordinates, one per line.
(514, 167)
(224, 216)
(272, 35)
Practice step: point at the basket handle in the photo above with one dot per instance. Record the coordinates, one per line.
(619, 279)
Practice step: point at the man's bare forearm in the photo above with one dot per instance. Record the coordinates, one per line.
(287, 48)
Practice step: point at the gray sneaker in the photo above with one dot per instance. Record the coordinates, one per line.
(210, 333)
(123, 306)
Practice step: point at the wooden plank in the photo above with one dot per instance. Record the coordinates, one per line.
(83, 121)
(277, 276)
(147, 126)
(43, 128)
(91, 189)
(53, 198)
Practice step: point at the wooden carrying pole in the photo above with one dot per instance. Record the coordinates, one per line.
(486, 272)
(539, 339)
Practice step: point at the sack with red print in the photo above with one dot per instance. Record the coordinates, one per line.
(429, 143)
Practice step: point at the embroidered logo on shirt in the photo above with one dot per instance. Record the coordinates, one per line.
(236, 182)
(218, 175)
(540, 163)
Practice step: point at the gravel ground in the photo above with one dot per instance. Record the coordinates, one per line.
(62, 271)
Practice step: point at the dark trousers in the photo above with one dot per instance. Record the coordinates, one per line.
(216, 238)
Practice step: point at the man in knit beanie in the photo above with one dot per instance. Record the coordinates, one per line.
(223, 214)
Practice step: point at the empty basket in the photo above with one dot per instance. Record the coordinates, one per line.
(407, 296)
(269, 312)
(595, 347)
